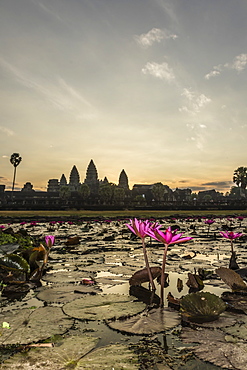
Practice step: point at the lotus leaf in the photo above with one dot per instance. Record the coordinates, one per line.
(104, 306)
(239, 329)
(8, 248)
(232, 279)
(215, 348)
(65, 355)
(148, 322)
(14, 262)
(27, 325)
(116, 356)
(65, 293)
(201, 307)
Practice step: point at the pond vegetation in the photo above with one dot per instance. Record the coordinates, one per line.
(78, 295)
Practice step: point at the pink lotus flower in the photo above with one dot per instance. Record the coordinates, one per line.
(209, 221)
(231, 236)
(167, 238)
(141, 229)
(49, 240)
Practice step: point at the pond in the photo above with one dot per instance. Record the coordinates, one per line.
(85, 289)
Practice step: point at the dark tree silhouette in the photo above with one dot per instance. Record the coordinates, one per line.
(15, 160)
(240, 177)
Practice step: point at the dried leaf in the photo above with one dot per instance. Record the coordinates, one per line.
(232, 279)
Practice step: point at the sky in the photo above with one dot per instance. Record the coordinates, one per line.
(154, 87)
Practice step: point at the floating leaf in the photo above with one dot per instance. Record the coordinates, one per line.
(215, 348)
(101, 307)
(232, 279)
(65, 293)
(62, 356)
(29, 326)
(148, 322)
(116, 356)
(141, 276)
(8, 248)
(14, 262)
(201, 307)
(239, 329)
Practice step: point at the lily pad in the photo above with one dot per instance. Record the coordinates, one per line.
(239, 329)
(148, 322)
(28, 326)
(65, 355)
(116, 356)
(215, 348)
(101, 307)
(14, 262)
(232, 279)
(65, 293)
(201, 307)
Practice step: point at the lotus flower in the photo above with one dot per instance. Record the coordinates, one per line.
(141, 229)
(167, 238)
(231, 236)
(49, 240)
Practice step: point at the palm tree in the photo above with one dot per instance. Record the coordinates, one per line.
(240, 177)
(15, 159)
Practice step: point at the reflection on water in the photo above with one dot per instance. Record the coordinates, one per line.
(124, 287)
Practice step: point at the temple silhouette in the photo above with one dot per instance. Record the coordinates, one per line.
(95, 193)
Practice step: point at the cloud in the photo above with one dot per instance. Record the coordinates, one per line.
(6, 131)
(58, 92)
(212, 74)
(218, 183)
(162, 71)
(239, 64)
(154, 35)
(195, 102)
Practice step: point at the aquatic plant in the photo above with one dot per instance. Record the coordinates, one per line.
(231, 236)
(142, 229)
(201, 307)
(167, 237)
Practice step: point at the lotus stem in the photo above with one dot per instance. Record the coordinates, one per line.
(147, 265)
(162, 280)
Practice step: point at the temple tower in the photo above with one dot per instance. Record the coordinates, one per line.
(123, 181)
(92, 177)
(63, 181)
(74, 179)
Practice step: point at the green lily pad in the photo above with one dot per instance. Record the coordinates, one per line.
(201, 307)
(65, 293)
(116, 356)
(28, 326)
(100, 307)
(14, 262)
(65, 355)
(148, 322)
(239, 329)
(214, 347)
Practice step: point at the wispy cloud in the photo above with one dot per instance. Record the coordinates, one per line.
(6, 131)
(154, 35)
(195, 102)
(162, 71)
(238, 64)
(48, 10)
(58, 92)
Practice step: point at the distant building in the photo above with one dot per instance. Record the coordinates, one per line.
(123, 181)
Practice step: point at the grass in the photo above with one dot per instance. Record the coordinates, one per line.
(112, 214)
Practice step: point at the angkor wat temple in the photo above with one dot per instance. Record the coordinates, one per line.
(93, 193)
